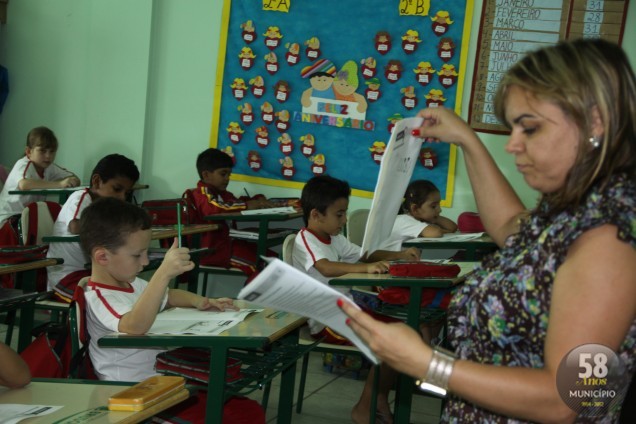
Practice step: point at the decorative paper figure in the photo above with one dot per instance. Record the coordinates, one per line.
(272, 63)
(441, 21)
(377, 151)
(428, 158)
(282, 123)
(447, 75)
(409, 100)
(239, 89)
(392, 120)
(382, 42)
(262, 136)
(321, 75)
(318, 166)
(254, 160)
(372, 93)
(435, 98)
(424, 73)
(287, 169)
(282, 91)
(272, 37)
(308, 148)
(230, 152)
(368, 68)
(293, 53)
(410, 41)
(446, 49)
(258, 86)
(267, 113)
(235, 132)
(247, 115)
(312, 51)
(346, 83)
(393, 71)
(246, 58)
(286, 143)
(249, 32)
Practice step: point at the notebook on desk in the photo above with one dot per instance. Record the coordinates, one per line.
(279, 210)
(252, 233)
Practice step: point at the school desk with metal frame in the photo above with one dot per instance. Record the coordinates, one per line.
(405, 384)
(63, 193)
(277, 331)
(474, 249)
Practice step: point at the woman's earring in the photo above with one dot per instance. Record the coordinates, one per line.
(595, 141)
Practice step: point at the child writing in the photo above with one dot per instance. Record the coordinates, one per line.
(116, 235)
(35, 170)
(212, 197)
(113, 176)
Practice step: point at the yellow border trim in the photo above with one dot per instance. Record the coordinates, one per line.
(220, 66)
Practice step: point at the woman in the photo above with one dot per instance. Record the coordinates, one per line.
(565, 275)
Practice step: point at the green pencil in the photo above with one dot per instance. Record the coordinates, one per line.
(179, 224)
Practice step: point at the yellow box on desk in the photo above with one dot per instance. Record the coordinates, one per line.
(145, 394)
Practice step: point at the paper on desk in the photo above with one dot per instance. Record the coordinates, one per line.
(193, 321)
(11, 413)
(448, 237)
(396, 170)
(281, 210)
(281, 286)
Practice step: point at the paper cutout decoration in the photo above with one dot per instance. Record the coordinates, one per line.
(346, 83)
(321, 75)
(435, 98)
(447, 75)
(287, 170)
(257, 86)
(293, 53)
(424, 73)
(247, 115)
(267, 113)
(393, 71)
(446, 49)
(272, 37)
(282, 90)
(282, 123)
(309, 145)
(414, 8)
(441, 21)
(410, 41)
(383, 42)
(372, 93)
(377, 150)
(312, 51)
(249, 32)
(318, 166)
(271, 64)
(392, 120)
(428, 158)
(277, 6)
(239, 89)
(246, 58)
(409, 100)
(262, 136)
(230, 152)
(286, 144)
(234, 132)
(368, 67)
(254, 160)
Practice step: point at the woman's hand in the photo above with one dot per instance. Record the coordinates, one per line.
(442, 124)
(221, 304)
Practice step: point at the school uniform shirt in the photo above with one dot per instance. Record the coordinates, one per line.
(12, 204)
(309, 249)
(405, 227)
(105, 305)
(74, 258)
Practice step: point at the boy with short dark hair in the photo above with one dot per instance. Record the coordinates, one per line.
(113, 176)
(116, 235)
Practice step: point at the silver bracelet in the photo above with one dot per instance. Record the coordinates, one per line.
(439, 372)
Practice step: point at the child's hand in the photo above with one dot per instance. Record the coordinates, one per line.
(222, 304)
(380, 267)
(177, 261)
(411, 254)
(71, 181)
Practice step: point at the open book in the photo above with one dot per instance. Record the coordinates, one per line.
(281, 286)
(193, 321)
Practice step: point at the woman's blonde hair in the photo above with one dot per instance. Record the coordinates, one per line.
(587, 79)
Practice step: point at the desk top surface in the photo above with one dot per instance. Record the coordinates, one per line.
(14, 295)
(158, 233)
(238, 216)
(26, 266)
(65, 190)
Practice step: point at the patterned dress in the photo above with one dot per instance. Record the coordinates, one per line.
(500, 316)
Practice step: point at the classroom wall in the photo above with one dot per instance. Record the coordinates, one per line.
(137, 78)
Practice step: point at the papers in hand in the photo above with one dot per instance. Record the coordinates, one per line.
(193, 321)
(281, 286)
(280, 210)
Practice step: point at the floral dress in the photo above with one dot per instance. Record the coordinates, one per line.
(500, 316)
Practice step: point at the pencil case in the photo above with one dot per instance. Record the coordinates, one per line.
(145, 394)
(423, 269)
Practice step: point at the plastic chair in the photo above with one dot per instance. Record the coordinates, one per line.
(37, 221)
(356, 224)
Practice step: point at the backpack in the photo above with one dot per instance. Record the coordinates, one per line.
(164, 211)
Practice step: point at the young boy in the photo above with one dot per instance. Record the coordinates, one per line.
(212, 197)
(116, 235)
(35, 170)
(113, 176)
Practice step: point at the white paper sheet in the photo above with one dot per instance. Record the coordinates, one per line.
(281, 210)
(447, 237)
(193, 321)
(11, 413)
(281, 286)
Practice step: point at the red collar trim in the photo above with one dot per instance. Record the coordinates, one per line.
(93, 285)
(325, 241)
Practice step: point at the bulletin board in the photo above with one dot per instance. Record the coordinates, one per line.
(510, 28)
(307, 88)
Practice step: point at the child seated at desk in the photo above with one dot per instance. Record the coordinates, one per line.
(212, 197)
(35, 170)
(113, 176)
(116, 235)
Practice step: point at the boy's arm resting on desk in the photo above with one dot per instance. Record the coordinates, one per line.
(332, 269)
(186, 299)
(31, 184)
(409, 254)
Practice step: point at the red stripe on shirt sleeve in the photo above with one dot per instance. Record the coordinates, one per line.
(80, 203)
(107, 305)
(311, 253)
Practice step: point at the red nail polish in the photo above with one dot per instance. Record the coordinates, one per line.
(339, 302)
(415, 132)
(348, 321)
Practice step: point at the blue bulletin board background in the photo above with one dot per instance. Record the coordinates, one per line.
(346, 30)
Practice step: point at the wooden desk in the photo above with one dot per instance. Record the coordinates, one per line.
(63, 193)
(25, 280)
(474, 248)
(83, 401)
(405, 384)
(256, 332)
